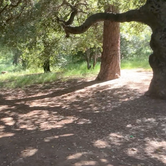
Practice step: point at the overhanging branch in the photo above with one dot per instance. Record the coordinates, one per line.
(133, 15)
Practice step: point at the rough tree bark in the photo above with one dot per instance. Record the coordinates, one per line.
(152, 14)
(110, 59)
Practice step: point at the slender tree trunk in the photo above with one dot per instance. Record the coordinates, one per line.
(16, 56)
(110, 59)
(24, 63)
(46, 56)
(46, 65)
(88, 58)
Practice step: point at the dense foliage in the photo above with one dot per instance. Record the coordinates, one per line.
(32, 31)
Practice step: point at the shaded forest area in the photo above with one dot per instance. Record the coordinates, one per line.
(83, 122)
(53, 110)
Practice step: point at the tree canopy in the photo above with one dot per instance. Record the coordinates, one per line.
(29, 24)
(153, 14)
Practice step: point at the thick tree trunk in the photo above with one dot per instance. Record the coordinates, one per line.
(110, 59)
(157, 61)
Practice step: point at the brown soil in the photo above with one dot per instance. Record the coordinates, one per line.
(83, 123)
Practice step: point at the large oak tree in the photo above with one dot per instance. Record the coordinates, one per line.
(153, 14)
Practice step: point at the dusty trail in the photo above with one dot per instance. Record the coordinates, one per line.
(83, 123)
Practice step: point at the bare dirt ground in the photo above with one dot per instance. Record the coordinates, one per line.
(83, 123)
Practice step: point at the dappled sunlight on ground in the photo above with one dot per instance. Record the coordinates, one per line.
(28, 152)
(48, 139)
(156, 149)
(42, 120)
(80, 123)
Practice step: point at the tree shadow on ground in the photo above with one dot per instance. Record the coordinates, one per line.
(91, 125)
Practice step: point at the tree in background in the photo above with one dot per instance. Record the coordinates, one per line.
(152, 14)
(36, 27)
(37, 33)
(32, 31)
(38, 36)
(10, 13)
(110, 60)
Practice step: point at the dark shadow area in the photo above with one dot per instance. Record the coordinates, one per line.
(89, 125)
(57, 88)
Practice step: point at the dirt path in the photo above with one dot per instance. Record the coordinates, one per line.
(83, 123)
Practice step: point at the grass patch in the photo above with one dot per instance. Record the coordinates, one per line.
(135, 64)
(33, 76)
(15, 79)
(80, 70)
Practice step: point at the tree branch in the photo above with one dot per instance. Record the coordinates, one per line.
(133, 15)
(71, 19)
(72, 15)
(3, 9)
(15, 5)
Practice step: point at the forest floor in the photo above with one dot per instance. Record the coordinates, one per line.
(81, 122)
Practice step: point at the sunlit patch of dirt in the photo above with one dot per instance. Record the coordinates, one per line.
(42, 120)
(156, 149)
(28, 152)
